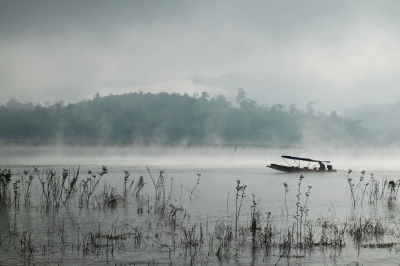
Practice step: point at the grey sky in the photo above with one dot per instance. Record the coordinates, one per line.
(335, 53)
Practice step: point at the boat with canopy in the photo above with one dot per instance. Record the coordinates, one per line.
(298, 168)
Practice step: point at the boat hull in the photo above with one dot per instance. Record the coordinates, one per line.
(292, 169)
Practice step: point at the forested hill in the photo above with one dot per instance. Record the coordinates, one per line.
(147, 118)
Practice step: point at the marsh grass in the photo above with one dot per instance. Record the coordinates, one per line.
(56, 190)
(159, 187)
(372, 190)
(109, 197)
(89, 186)
(380, 245)
(26, 183)
(362, 229)
(5, 195)
(195, 186)
(240, 195)
(166, 226)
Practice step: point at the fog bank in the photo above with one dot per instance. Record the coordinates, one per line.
(371, 160)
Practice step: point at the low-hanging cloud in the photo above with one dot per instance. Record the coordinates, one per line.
(337, 54)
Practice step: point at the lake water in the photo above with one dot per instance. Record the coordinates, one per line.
(202, 183)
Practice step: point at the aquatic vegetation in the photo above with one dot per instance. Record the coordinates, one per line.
(160, 202)
(89, 185)
(108, 197)
(16, 192)
(191, 191)
(70, 187)
(332, 234)
(286, 192)
(138, 187)
(363, 229)
(300, 212)
(5, 195)
(55, 189)
(373, 190)
(380, 245)
(26, 183)
(162, 224)
(240, 194)
(255, 220)
(354, 188)
(127, 189)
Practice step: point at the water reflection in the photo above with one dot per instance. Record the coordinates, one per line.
(4, 223)
(166, 223)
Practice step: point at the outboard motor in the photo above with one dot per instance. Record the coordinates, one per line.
(329, 167)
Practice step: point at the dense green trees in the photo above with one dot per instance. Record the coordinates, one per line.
(174, 118)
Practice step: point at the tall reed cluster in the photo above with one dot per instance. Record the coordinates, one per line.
(161, 221)
(5, 195)
(372, 190)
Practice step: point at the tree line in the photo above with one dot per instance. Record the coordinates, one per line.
(148, 118)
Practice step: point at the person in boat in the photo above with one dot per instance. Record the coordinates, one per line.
(321, 166)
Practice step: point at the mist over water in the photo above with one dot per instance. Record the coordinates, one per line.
(215, 170)
(219, 167)
(371, 160)
(189, 111)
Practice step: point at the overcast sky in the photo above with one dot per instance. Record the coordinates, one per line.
(335, 53)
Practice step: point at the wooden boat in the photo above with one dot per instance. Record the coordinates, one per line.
(303, 169)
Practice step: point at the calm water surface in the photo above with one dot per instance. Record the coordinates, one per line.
(203, 183)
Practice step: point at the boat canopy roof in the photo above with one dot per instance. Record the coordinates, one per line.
(303, 159)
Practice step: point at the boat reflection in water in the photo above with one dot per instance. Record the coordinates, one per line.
(318, 167)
